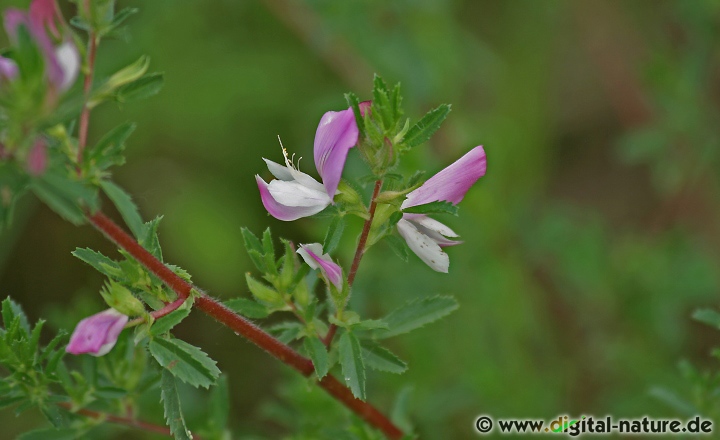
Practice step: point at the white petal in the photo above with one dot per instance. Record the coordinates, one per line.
(307, 181)
(424, 247)
(69, 60)
(279, 171)
(434, 225)
(294, 194)
(315, 248)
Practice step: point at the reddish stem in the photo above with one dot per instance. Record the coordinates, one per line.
(87, 85)
(242, 326)
(359, 252)
(127, 421)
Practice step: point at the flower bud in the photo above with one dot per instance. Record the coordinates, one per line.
(97, 334)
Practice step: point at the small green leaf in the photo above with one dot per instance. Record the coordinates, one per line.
(334, 234)
(263, 292)
(416, 314)
(100, 262)
(439, 207)
(127, 208)
(354, 103)
(426, 127)
(248, 308)
(12, 310)
(173, 411)
(381, 359)
(707, 316)
(142, 88)
(167, 322)
(353, 368)
(187, 362)
(399, 246)
(319, 355)
(108, 151)
(381, 102)
(121, 299)
(400, 414)
(150, 240)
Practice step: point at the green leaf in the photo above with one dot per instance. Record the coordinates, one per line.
(319, 355)
(167, 322)
(707, 316)
(10, 401)
(381, 359)
(119, 297)
(439, 207)
(400, 415)
(219, 407)
(398, 246)
(150, 240)
(13, 183)
(100, 262)
(248, 308)
(142, 88)
(353, 368)
(109, 150)
(287, 273)
(12, 310)
(65, 195)
(173, 411)
(187, 362)
(381, 102)
(416, 314)
(426, 127)
(354, 103)
(50, 434)
(263, 292)
(254, 249)
(127, 208)
(334, 234)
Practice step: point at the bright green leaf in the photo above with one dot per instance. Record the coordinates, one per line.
(426, 127)
(123, 202)
(319, 355)
(381, 359)
(353, 368)
(187, 362)
(173, 411)
(416, 314)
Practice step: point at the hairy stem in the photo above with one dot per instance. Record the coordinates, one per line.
(242, 326)
(87, 85)
(359, 252)
(126, 421)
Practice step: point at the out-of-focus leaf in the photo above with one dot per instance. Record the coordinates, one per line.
(416, 314)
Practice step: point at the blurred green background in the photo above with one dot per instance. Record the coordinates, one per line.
(588, 244)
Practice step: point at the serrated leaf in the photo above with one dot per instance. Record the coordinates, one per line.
(167, 322)
(172, 408)
(248, 308)
(353, 368)
(354, 103)
(707, 316)
(426, 127)
(100, 262)
(318, 354)
(150, 240)
(381, 359)
(64, 196)
(12, 310)
(187, 362)
(416, 314)
(438, 207)
(142, 88)
(124, 204)
(334, 234)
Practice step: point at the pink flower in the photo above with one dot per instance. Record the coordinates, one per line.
(97, 334)
(425, 236)
(313, 255)
(8, 69)
(295, 194)
(37, 158)
(62, 59)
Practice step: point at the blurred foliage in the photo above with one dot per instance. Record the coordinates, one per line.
(588, 244)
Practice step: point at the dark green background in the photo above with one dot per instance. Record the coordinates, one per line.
(588, 244)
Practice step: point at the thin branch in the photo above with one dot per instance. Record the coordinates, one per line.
(359, 252)
(126, 421)
(87, 86)
(242, 326)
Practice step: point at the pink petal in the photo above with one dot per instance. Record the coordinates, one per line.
(336, 134)
(45, 13)
(453, 182)
(37, 158)
(97, 334)
(283, 212)
(314, 257)
(365, 107)
(8, 69)
(13, 19)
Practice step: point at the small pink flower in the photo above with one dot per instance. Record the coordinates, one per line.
(37, 158)
(62, 59)
(313, 255)
(97, 334)
(8, 69)
(294, 194)
(426, 236)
